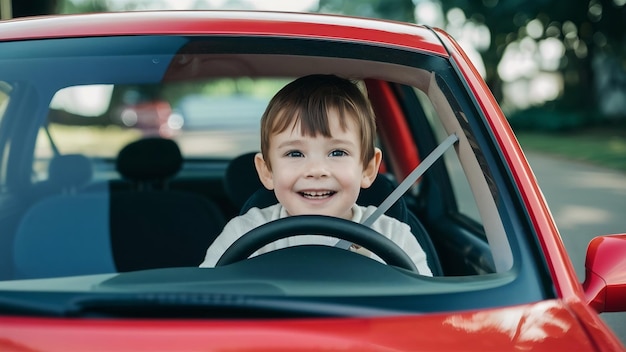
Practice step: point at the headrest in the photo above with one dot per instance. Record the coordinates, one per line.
(70, 170)
(241, 179)
(148, 159)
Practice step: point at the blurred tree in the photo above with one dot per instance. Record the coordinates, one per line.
(68, 6)
(21, 8)
(398, 10)
(591, 31)
(587, 37)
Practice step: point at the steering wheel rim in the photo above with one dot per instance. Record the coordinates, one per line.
(301, 225)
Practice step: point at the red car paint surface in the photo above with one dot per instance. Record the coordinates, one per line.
(568, 322)
(229, 23)
(544, 326)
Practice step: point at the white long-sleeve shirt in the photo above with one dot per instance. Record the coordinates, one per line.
(395, 230)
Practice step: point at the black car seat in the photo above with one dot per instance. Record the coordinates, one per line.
(242, 172)
(241, 179)
(153, 226)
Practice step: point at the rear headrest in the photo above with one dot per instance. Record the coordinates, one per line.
(149, 159)
(70, 170)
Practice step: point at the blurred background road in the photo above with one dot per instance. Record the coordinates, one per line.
(586, 201)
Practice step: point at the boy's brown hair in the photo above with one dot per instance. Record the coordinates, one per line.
(308, 99)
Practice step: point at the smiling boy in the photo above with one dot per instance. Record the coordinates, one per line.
(317, 152)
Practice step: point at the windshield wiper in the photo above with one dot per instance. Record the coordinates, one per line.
(194, 305)
(176, 305)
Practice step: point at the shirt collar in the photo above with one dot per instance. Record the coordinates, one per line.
(357, 213)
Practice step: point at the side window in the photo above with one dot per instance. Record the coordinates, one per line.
(217, 118)
(78, 123)
(462, 192)
(98, 120)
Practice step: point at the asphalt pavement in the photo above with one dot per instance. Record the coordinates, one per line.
(586, 201)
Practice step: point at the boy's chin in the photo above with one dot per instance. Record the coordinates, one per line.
(309, 213)
(321, 212)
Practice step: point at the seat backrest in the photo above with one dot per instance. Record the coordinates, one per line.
(154, 229)
(62, 232)
(94, 233)
(374, 195)
(64, 235)
(151, 225)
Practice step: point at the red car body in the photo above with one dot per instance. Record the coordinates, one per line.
(544, 326)
(570, 322)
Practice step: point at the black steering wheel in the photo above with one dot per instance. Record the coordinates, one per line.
(300, 225)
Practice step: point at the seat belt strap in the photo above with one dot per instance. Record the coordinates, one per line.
(406, 184)
(411, 179)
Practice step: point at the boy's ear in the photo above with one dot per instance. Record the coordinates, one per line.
(265, 174)
(370, 171)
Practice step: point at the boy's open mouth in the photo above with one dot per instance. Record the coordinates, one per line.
(317, 195)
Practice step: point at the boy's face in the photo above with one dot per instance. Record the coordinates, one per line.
(318, 175)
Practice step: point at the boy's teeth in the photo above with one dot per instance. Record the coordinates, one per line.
(316, 194)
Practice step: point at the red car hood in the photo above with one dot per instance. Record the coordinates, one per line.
(544, 326)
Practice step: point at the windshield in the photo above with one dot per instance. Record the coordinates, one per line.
(122, 159)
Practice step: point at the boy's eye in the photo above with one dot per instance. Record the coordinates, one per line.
(338, 152)
(294, 154)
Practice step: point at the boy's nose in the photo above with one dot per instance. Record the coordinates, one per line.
(316, 168)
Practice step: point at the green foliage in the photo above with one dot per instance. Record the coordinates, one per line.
(69, 6)
(602, 145)
(548, 120)
(263, 88)
(398, 10)
(586, 28)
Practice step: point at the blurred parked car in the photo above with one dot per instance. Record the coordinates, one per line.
(200, 112)
(152, 117)
(107, 257)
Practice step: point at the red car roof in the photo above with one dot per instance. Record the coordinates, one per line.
(378, 32)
